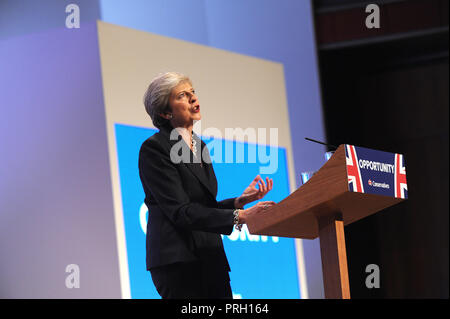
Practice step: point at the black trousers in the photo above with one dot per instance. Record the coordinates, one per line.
(193, 280)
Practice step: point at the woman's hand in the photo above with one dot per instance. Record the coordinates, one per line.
(258, 208)
(251, 193)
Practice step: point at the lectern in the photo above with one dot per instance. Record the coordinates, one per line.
(354, 183)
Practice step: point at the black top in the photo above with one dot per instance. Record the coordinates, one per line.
(185, 220)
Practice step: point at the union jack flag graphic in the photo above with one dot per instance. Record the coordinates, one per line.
(401, 188)
(354, 175)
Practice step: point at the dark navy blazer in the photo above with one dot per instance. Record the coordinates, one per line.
(185, 220)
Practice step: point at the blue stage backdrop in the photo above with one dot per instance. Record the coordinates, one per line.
(262, 266)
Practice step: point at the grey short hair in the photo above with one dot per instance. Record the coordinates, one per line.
(156, 98)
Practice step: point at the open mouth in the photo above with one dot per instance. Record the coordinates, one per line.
(196, 108)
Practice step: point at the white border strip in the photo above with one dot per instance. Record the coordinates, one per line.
(115, 184)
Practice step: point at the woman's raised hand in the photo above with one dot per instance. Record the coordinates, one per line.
(251, 193)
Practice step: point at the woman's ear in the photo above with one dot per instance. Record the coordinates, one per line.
(167, 116)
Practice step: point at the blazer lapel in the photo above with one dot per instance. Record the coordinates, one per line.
(193, 162)
(209, 169)
(199, 172)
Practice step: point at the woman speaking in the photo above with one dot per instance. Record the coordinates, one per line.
(185, 254)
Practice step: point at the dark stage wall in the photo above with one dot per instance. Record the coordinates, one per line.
(394, 97)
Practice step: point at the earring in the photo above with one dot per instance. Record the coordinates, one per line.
(170, 116)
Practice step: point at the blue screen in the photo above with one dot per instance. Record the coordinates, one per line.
(261, 266)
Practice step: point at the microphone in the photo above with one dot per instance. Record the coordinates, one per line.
(319, 142)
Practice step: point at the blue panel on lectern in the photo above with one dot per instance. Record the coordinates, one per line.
(261, 267)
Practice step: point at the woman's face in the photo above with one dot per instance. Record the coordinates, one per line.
(185, 106)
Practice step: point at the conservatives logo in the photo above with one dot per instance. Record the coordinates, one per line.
(375, 184)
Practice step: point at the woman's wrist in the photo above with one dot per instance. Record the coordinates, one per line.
(239, 202)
